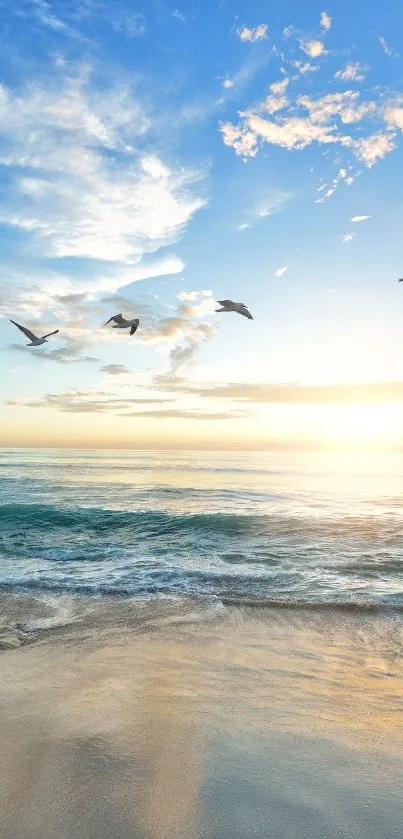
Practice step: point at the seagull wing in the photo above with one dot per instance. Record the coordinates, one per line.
(50, 333)
(401, 280)
(134, 326)
(116, 318)
(26, 331)
(244, 311)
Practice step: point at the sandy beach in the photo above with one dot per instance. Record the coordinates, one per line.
(180, 719)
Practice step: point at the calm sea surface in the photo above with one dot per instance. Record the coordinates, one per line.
(285, 528)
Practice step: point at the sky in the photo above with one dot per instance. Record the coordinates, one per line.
(158, 156)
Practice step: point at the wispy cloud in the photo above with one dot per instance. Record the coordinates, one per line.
(327, 190)
(75, 18)
(293, 393)
(272, 204)
(101, 402)
(386, 48)
(236, 395)
(179, 16)
(61, 142)
(186, 330)
(83, 402)
(178, 331)
(42, 10)
(72, 352)
(258, 33)
(281, 271)
(269, 204)
(182, 413)
(115, 370)
(325, 21)
(228, 84)
(359, 218)
(347, 237)
(132, 25)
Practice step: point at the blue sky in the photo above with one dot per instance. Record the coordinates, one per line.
(156, 156)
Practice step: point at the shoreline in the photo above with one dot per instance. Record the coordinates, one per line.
(27, 617)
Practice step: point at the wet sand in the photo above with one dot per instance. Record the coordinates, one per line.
(177, 719)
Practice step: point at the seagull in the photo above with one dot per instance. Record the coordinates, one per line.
(35, 341)
(122, 323)
(230, 306)
(401, 280)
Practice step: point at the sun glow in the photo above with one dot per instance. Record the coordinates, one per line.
(365, 423)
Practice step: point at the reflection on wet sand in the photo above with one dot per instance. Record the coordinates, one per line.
(255, 723)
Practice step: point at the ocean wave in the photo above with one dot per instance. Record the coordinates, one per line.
(138, 467)
(272, 557)
(34, 516)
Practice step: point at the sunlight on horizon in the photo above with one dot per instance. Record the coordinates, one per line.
(363, 425)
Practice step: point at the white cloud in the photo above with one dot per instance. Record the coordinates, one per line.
(243, 227)
(352, 72)
(347, 237)
(373, 148)
(281, 271)
(394, 117)
(76, 186)
(325, 120)
(243, 141)
(325, 21)
(272, 104)
(357, 219)
(85, 192)
(306, 67)
(190, 295)
(228, 83)
(259, 33)
(386, 48)
(313, 48)
(279, 88)
(290, 133)
(345, 105)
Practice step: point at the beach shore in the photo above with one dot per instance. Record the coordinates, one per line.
(178, 718)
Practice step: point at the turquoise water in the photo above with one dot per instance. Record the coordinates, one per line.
(286, 528)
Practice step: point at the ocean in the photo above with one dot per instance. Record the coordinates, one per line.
(274, 528)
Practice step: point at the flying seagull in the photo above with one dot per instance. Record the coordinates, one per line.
(35, 341)
(401, 280)
(122, 323)
(230, 306)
